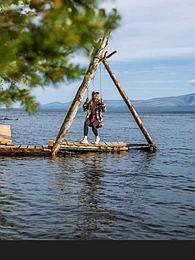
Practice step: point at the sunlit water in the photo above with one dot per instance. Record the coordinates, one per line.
(96, 196)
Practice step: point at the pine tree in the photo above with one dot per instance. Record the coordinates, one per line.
(41, 42)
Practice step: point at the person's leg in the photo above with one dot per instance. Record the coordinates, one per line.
(95, 131)
(94, 127)
(86, 126)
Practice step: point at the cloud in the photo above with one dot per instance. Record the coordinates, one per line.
(153, 29)
(192, 82)
(156, 81)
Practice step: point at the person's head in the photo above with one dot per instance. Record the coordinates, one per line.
(95, 95)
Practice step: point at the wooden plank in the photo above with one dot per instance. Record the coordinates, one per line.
(115, 143)
(4, 143)
(102, 144)
(31, 147)
(70, 143)
(121, 144)
(23, 146)
(3, 126)
(51, 143)
(9, 147)
(124, 148)
(39, 148)
(110, 144)
(5, 134)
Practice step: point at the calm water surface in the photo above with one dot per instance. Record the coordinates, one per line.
(96, 196)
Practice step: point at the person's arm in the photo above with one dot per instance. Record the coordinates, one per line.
(102, 105)
(86, 104)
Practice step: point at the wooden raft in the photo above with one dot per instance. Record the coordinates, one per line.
(68, 147)
(76, 146)
(73, 146)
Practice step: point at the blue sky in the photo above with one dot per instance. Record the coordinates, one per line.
(155, 57)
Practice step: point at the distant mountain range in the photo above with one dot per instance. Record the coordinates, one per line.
(163, 104)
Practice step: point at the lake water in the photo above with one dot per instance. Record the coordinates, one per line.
(134, 195)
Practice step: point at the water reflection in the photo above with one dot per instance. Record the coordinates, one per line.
(93, 173)
(89, 168)
(106, 195)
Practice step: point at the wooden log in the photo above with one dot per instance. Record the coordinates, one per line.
(96, 57)
(23, 150)
(131, 107)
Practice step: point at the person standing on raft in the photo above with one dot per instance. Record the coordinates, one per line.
(94, 117)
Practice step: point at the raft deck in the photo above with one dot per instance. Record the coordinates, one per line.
(76, 146)
(68, 147)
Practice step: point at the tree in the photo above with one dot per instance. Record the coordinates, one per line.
(40, 40)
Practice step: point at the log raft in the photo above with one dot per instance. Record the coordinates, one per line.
(68, 147)
(76, 146)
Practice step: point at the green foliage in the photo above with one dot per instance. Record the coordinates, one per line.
(39, 40)
(14, 94)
